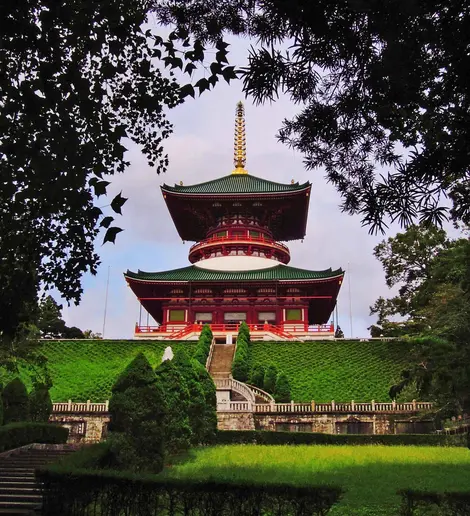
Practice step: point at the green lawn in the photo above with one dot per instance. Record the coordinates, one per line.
(86, 370)
(338, 370)
(370, 475)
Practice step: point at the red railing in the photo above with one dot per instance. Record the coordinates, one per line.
(246, 239)
(181, 330)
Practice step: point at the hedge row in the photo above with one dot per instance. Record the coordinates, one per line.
(417, 503)
(19, 434)
(71, 490)
(273, 438)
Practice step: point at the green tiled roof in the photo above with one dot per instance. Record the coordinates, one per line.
(193, 273)
(236, 184)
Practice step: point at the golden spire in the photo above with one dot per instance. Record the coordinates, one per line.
(239, 148)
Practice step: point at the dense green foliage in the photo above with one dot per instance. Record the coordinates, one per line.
(76, 485)
(50, 322)
(40, 404)
(87, 370)
(300, 438)
(270, 379)
(15, 435)
(417, 503)
(241, 360)
(257, 376)
(282, 392)
(15, 402)
(210, 405)
(371, 476)
(137, 416)
(203, 346)
(338, 370)
(177, 425)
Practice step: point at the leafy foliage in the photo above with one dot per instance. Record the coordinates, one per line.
(137, 417)
(210, 406)
(177, 426)
(270, 378)
(257, 376)
(340, 371)
(15, 435)
(282, 392)
(51, 324)
(241, 360)
(203, 345)
(40, 404)
(382, 85)
(15, 402)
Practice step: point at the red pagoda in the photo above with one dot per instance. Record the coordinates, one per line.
(239, 268)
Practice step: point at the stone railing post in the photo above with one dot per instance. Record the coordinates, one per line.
(292, 405)
(414, 404)
(70, 406)
(88, 405)
(313, 405)
(353, 405)
(394, 405)
(273, 406)
(333, 406)
(106, 405)
(372, 403)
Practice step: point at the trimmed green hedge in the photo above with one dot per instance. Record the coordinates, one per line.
(417, 503)
(273, 438)
(19, 434)
(68, 489)
(335, 370)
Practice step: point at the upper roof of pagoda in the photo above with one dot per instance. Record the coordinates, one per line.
(244, 184)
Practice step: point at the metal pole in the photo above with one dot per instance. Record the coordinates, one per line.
(350, 302)
(106, 302)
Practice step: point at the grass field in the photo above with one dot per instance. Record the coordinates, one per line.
(370, 475)
(338, 370)
(86, 370)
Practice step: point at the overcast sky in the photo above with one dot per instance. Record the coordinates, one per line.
(200, 149)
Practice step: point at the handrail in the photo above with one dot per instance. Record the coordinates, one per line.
(211, 352)
(261, 394)
(197, 328)
(71, 406)
(235, 385)
(248, 239)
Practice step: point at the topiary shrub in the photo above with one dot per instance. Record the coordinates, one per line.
(257, 376)
(197, 401)
(40, 404)
(137, 417)
(282, 392)
(177, 428)
(244, 331)
(270, 378)
(16, 435)
(203, 345)
(15, 402)
(210, 406)
(241, 361)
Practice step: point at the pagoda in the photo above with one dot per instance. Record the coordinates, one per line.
(239, 268)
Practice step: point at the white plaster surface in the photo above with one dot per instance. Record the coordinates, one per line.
(237, 263)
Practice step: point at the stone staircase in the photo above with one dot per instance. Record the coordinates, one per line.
(221, 363)
(19, 491)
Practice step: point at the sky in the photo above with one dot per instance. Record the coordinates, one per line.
(200, 149)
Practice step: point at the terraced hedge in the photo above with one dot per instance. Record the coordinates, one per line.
(86, 369)
(338, 370)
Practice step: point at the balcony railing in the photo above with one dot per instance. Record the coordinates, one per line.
(301, 327)
(247, 239)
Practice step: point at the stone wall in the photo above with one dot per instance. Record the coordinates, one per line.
(235, 421)
(83, 427)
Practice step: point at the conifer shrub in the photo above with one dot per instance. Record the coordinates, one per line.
(137, 417)
(197, 401)
(244, 331)
(16, 435)
(203, 345)
(15, 402)
(241, 360)
(257, 376)
(270, 378)
(282, 392)
(177, 427)
(40, 403)
(1, 404)
(210, 406)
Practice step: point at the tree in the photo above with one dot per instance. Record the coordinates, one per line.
(78, 80)
(177, 427)
(40, 404)
(241, 361)
(257, 376)
(282, 392)
(383, 84)
(197, 401)
(15, 402)
(270, 379)
(137, 418)
(210, 406)
(408, 259)
(51, 324)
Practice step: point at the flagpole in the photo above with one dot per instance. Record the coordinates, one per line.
(106, 303)
(350, 302)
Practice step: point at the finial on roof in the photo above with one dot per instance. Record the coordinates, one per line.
(239, 148)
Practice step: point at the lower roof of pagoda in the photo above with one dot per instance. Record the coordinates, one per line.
(196, 274)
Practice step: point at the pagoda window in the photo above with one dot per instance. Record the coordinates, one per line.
(234, 291)
(293, 291)
(176, 292)
(221, 234)
(267, 316)
(238, 233)
(234, 317)
(203, 316)
(255, 234)
(266, 291)
(176, 315)
(202, 292)
(293, 314)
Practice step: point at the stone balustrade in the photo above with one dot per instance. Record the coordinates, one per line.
(73, 407)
